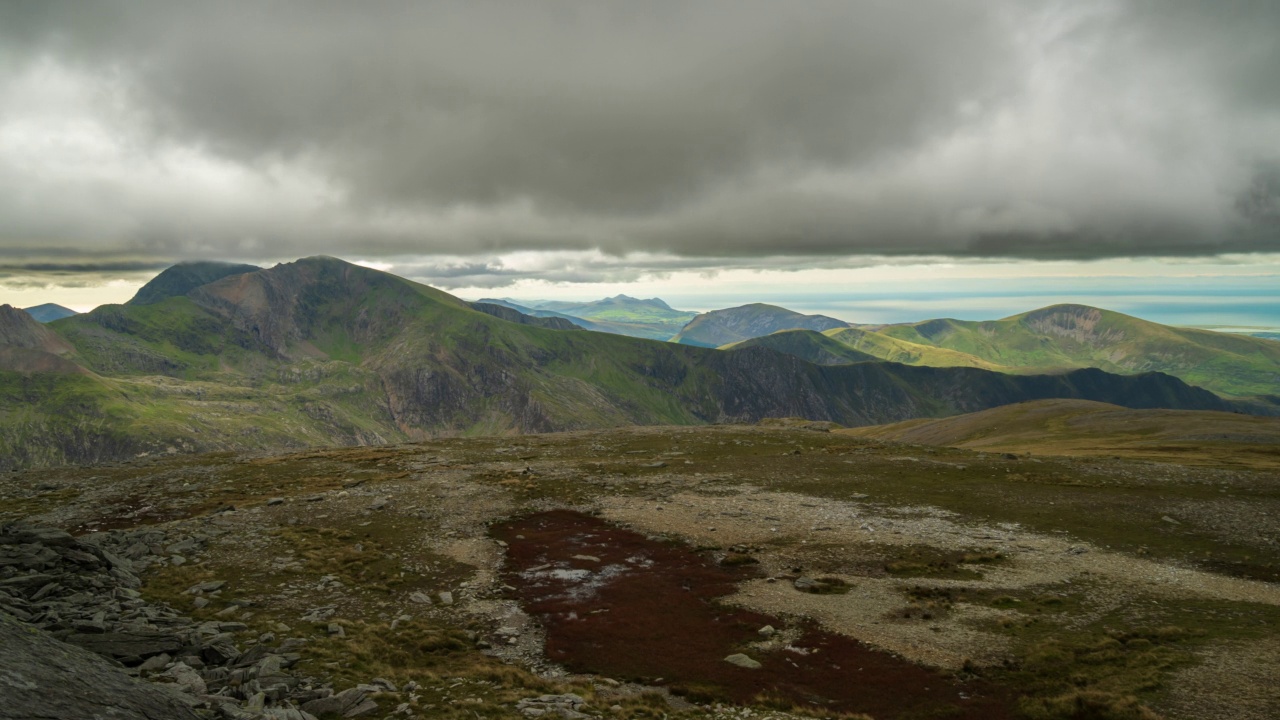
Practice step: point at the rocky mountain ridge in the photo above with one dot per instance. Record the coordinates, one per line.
(324, 352)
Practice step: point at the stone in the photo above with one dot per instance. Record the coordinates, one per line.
(155, 663)
(276, 501)
(219, 652)
(338, 704)
(126, 645)
(807, 584)
(743, 661)
(45, 678)
(446, 598)
(337, 630)
(20, 535)
(767, 631)
(186, 678)
(420, 597)
(207, 586)
(385, 684)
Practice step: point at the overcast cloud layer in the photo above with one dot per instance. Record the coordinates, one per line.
(680, 134)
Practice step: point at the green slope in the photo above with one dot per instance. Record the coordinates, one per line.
(807, 345)
(886, 347)
(1072, 336)
(1080, 427)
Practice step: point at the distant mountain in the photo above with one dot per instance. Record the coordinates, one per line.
(49, 312)
(19, 330)
(512, 315)
(27, 345)
(322, 352)
(620, 315)
(185, 277)
(535, 312)
(1074, 336)
(722, 327)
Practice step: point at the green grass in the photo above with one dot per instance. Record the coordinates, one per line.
(1074, 336)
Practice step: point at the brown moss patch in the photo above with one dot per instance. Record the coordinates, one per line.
(619, 603)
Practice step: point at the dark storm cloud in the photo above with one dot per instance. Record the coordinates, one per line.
(707, 130)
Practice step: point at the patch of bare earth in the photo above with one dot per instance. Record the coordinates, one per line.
(836, 537)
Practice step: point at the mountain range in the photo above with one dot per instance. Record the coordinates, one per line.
(1063, 337)
(621, 315)
(320, 351)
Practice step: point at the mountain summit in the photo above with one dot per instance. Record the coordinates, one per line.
(731, 325)
(185, 277)
(48, 312)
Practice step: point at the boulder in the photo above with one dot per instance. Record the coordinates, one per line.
(126, 645)
(45, 678)
(743, 661)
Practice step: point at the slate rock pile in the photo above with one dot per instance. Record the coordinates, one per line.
(83, 591)
(555, 706)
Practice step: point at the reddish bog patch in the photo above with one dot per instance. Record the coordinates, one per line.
(617, 603)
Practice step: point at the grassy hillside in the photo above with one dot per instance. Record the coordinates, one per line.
(887, 347)
(807, 345)
(1075, 336)
(1081, 427)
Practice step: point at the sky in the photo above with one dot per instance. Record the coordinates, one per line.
(876, 160)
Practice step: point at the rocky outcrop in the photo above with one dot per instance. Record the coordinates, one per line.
(20, 330)
(41, 677)
(71, 621)
(27, 346)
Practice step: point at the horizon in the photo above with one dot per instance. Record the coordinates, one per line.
(709, 154)
(1228, 303)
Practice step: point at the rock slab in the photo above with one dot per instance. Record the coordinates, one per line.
(41, 677)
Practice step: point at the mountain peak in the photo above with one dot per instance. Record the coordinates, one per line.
(48, 312)
(19, 330)
(181, 279)
(730, 325)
